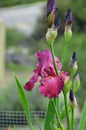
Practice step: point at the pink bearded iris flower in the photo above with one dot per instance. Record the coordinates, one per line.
(50, 84)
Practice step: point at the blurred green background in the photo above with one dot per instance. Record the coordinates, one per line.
(37, 41)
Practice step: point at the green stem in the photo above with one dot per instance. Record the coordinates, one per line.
(72, 119)
(53, 56)
(57, 115)
(64, 53)
(67, 113)
(56, 69)
(58, 104)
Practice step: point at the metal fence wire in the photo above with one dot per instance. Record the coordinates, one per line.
(18, 118)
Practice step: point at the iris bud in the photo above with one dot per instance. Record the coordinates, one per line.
(73, 102)
(51, 35)
(68, 23)
(76, 84)
(73, 65)
(67, 86)
(67, 33)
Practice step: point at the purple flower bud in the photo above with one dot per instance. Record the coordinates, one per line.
(74, 57)
(57, 21)
(51, 7)
(73, 65)
(71, 96)
(68, 17)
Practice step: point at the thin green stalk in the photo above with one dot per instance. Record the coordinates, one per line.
(64, 53)
(72, 119)
(65, 95)
(57, 115)
(67, 113)
(53, 56)
(58, 104)
(56, 68)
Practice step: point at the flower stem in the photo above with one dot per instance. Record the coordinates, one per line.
(72, 119)
(58, 104)
(53, 56)
(56, 69)
(64, 53)
(57, 115)
(66, 108)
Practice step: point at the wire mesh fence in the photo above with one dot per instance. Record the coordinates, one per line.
(18, 119)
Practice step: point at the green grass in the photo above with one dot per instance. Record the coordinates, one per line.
(8, 3)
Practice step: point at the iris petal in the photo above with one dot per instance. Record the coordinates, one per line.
(51, 86)
(30, 84)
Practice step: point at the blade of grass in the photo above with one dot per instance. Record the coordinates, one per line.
(24, 102)
(82, 118)
(49, 119)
